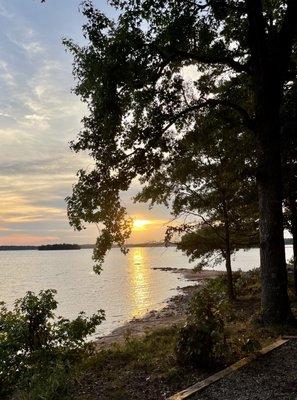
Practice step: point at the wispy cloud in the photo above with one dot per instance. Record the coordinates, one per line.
(26, 239)
(38, 117)
(4, 12)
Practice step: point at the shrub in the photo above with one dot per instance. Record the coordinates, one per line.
(248, 283)
(202, 341)
(35, 345)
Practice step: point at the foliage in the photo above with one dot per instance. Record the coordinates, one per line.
(248, 283)
(244, 345)
(208, 183)
(132, 79)
(205, 340)
(202, 340)
(35, 347)
(133, 74)
(138, 367)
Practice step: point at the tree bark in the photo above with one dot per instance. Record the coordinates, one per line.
(295, 259)
(269, 63)
(267, 74)
(293, 212)
(231, 293)
(230, 286)
(275, 301)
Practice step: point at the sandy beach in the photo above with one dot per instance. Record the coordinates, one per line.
(172, 313)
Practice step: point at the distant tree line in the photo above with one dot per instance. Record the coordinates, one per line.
(63, 246)
(82, 246)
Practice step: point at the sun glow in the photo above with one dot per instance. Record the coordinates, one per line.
(140, 224)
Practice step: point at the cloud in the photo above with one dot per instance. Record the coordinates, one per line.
(39, 115)
(25, 239)
(4, 12)
(5, 74)
(39, 122)
(19, 209)
(33, 48)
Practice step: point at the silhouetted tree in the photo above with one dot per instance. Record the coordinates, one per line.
(132, 77)
(208, 182)
(289, 147)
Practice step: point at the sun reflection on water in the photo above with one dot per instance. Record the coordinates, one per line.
(140, 282)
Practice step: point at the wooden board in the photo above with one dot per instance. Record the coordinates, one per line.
(197, 387)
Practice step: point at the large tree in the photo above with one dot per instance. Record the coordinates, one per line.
(132, 74)
(289, 161)
(208, 184)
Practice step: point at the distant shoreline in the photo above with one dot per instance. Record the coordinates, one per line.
(80, 246)
(288, 241)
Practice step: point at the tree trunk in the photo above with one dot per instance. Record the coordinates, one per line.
(270, 56)
(275, 301)
(293, 212)
(295, 258)
(231, 293)
(227, 252)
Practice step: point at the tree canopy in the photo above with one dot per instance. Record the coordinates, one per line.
(208, 182)
(133, 74)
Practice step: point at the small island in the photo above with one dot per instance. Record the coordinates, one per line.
(63, 246)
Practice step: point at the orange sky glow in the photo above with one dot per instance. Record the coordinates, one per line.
(39, 116)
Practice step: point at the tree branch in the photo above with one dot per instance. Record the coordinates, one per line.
(287, 34)
(213, 60)
(247, 120)
(256, 30)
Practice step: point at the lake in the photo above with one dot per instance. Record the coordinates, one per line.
(127, 287)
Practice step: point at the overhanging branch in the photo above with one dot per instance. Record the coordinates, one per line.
(226, 60)
(247, 120)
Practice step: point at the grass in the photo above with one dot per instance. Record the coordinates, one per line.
(146, 367)
(137, 369)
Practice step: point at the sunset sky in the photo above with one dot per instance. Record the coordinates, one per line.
(38, 117)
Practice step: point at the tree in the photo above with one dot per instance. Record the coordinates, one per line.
(209, 183)
(289, 159)
(131, 75)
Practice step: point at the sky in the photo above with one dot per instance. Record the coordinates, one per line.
(39, 115)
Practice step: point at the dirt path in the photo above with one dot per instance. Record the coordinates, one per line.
(272, 377)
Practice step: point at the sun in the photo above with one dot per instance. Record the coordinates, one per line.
(140, 224)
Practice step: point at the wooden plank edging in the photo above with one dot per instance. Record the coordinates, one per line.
(197, 387)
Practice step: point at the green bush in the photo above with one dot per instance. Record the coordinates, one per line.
(202, 341)
(247, 283)
(35, 347)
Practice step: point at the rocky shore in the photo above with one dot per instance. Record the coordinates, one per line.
(173, 313)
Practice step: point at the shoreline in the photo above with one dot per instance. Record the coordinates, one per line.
(172, 313)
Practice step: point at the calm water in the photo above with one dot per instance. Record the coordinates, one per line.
(127, 287)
